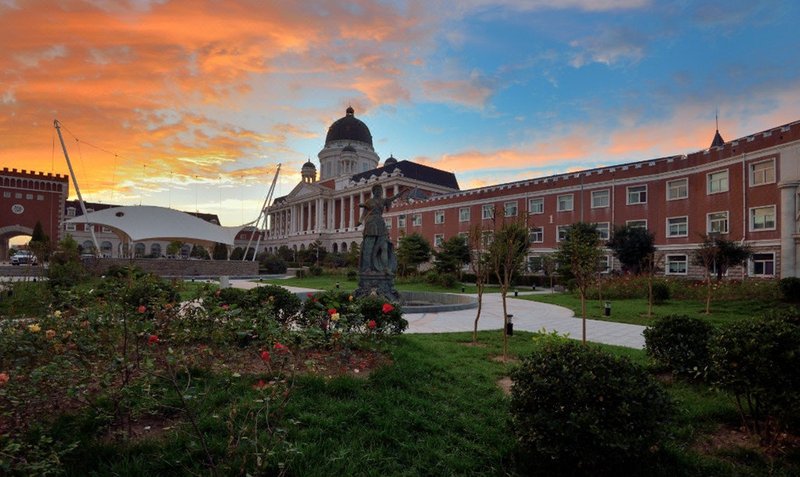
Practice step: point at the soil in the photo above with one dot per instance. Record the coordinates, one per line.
(505, 384)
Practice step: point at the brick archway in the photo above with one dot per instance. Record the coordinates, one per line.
(7, 233)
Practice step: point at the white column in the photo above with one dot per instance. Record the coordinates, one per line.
(318, 225)
(352, 221)
(788, 228)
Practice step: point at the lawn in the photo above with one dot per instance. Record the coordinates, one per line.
(634, 310)
(328, 282)
(435, 410)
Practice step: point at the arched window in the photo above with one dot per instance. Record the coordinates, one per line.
(335, 247)
(87, 246)
(344, 247)
(138, 250)
(106, 248)
(155, 250)
(186, 250)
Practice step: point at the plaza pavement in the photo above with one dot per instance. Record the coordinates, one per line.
(528, 316)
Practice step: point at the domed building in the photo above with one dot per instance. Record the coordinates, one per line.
(326, 209)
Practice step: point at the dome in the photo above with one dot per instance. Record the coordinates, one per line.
(349, 128)
(390, 161)
(349, 148)
(309, 166)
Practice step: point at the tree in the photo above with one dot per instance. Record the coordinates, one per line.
(507, 254)
(317, 252)
(413, 251)
(174, 248)
(39, 243)
(453, 255)
(480, 265)
(220, 251)
(578, 256)
(650, 266)
(198, 251)
(549, 269)
(631, 245)
(716, 255)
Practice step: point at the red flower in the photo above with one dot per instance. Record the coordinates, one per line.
(371, 324)
(265, 357)
(152, 339)
(141, 309)
(310, 295)
(260, 385)
(225, 307)
(4, 378)
(331, 311)
(281, 348)
(387, 308)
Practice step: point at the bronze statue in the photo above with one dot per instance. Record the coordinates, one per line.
(377, 251)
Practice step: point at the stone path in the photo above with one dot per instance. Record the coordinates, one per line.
(528, 316)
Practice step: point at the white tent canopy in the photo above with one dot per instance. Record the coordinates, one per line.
(145, 222)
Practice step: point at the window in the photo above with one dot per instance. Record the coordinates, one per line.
(29, 196)
(535, 263)
(536, 234)
(603, 230)
(401, 220)
(677, 189)
(603, 264)
(487, 211)
(88, 227)
(637, 224)
(510, 209)
(463, 214)
(600, 198)
(565, 203)
(486, 238)
(762, 218)
(561, 232)
(18, 195)
(717, 222)
(762, 264)
(762, 172)
(6, 195)
(155, 250)
(438, 239)
(438, 217)
(70, 211)
(106, 230)
(416, 220)
(69, 227)
(678, 226)
(717, 182)
(388, 222)
(536, 206)
(637, 195)
(676, 265)
(39, 197)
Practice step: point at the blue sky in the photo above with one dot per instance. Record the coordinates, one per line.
(199, 103)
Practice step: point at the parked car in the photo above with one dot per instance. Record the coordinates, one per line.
(23, 257)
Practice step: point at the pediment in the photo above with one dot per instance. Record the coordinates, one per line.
(302, 191)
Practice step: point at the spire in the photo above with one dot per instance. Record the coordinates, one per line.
(717, 141)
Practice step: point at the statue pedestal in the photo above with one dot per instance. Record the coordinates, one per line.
(377, 284)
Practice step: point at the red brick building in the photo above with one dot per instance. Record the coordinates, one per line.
(27, 197)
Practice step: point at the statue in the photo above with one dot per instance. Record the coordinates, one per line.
(378, 263)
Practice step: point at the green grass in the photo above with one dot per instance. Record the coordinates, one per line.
(436, 410)
(328, 282)
(634, 310)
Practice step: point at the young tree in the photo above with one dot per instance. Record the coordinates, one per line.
(549, 269)
(413, 251)
(578, 256)
(174, 248)
(631, 245)
(40, 243)
(650, 266)
(479, 264)
(453, 255)
(507, 254)
(716, 255)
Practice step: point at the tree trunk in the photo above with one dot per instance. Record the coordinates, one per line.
(708, 294)
(583, 314)
(650, 296)
(503, 292)
(478, 315)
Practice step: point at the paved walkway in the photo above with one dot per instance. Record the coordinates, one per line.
(528, 316)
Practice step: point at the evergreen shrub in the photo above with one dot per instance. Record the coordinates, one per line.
(680, 344)
(577, 410)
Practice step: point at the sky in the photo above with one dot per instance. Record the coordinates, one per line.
(192, 104)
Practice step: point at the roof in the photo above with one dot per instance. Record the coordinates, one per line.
(349, 128)
(717, 141)
(146, 222)
(412, 170)
(95, 206)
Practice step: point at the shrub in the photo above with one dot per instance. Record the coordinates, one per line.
(300, 273)
(680, 344)
(758, 361)
(273, 264)
(577, 410)
(314, 271)
(790, 289)
(283, 302)
(352, 274)
(660, 292)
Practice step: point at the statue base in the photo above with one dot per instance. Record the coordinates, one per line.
(377, 284)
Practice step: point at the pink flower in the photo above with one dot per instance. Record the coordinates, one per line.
(260, 385)
(371, 324)
(225, 307)
(265, 357)
(4, 378)
(141, 309)
(152, 339)
(387, 308)
(310, 295)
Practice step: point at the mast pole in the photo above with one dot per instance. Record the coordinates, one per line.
(77, 189)
(258, 220)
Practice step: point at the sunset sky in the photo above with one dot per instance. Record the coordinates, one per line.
(192, 103)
